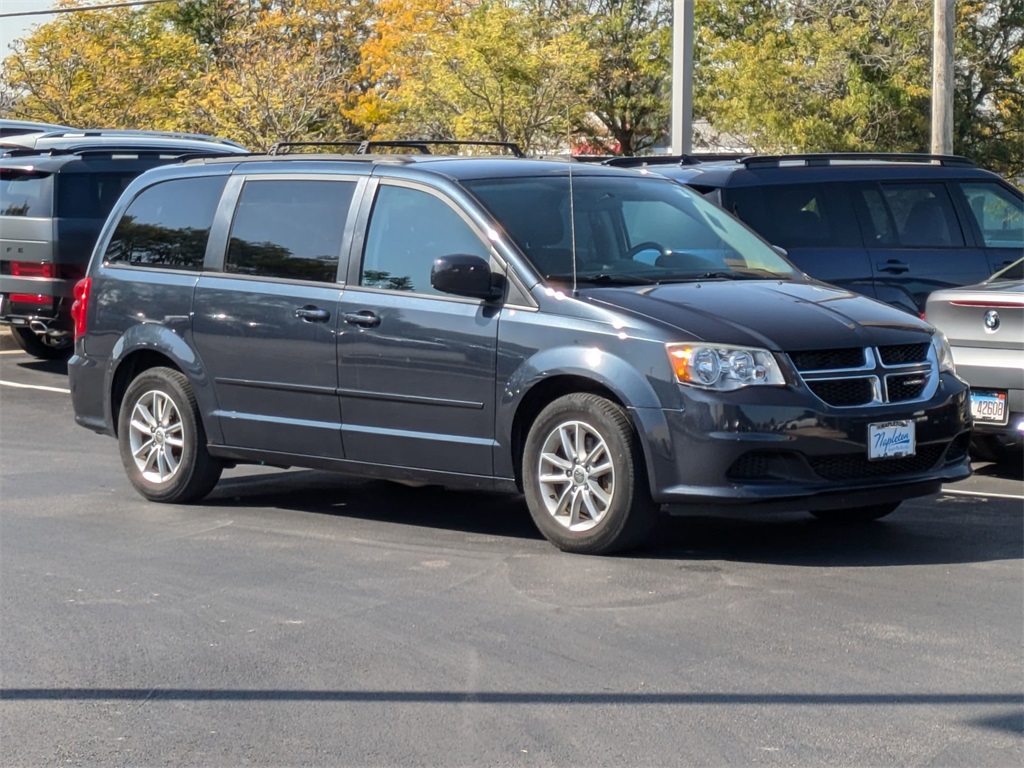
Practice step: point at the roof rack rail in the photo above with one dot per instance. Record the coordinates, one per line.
(696, 158)
(89, 133)
(93, 150)
(422, 146)
(827, 158)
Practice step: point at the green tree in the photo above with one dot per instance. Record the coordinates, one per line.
(498, 74)
(630, 91)
(114, 68)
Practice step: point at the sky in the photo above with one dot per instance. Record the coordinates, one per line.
(18, 27)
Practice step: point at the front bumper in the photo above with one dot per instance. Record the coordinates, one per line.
(766, 448)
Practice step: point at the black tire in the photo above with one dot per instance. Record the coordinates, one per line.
(618, 486)
(43, 347)
(856, 514)
(180, 469)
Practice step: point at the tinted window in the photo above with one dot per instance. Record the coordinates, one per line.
(797, 215)
(289, 228)
(90, 195)
(167, 225)
(24, 193)
(998, 213)
(922, 215)
(408, 230)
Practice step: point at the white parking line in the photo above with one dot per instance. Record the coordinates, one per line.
(11, 352)
(982, 493)
(33, 386)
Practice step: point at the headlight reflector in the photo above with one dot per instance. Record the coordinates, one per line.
(723, 368)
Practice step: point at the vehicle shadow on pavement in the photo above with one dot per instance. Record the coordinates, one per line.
(1005, 470)
(57, 367)
(942, 530)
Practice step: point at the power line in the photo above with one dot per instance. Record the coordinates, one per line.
(80, 8)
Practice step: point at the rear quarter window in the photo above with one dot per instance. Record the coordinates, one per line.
(26, 193)
(167, 225)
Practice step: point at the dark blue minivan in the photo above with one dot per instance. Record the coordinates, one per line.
(609, 344)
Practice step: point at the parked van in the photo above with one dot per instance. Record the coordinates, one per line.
(56, 189)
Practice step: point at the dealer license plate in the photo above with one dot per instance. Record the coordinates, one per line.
(891, 439)
(989, 407)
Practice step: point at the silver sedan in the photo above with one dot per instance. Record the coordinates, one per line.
(985, 327)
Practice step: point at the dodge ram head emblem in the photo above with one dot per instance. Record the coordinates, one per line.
(991, 321)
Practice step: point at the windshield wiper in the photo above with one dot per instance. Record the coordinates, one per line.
(603, 278)
(726, 275)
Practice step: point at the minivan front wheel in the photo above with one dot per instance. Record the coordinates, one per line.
(584, 477)
(42, 346)
(162, 440)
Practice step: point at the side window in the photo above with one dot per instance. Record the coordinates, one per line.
(923, 215)
(797, 215)
(998, 212)
(410, 228)
(289, 228)
(25, 193)
(167, 225)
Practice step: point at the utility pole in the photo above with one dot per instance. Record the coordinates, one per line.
(942, 77)
(682, 76)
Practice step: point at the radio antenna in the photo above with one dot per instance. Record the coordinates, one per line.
(572, 204)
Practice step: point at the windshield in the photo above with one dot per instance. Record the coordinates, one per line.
(627, 231)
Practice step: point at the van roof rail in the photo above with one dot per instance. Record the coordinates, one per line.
(422, 146)
(827, 158)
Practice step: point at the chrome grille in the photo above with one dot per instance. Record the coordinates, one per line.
(904, 354)
(852, 377)
(844, 392)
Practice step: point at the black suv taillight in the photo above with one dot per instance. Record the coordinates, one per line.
(80, 309)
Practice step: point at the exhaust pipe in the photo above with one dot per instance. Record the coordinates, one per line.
(42, 328)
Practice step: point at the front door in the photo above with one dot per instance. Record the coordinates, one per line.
(416, 367)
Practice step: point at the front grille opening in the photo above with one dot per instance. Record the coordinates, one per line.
(851, 466)
(844, 392)
(828, 359)
(766, 466)
(904, 354)
(905, 387)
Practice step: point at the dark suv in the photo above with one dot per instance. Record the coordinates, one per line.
(56, 189)
(894, 227)
(606, 342)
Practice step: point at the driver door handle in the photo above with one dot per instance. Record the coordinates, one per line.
(364, 317)
(893, 266)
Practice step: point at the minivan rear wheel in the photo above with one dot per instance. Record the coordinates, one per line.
(162, 440)
(584, 477)
(42, 346)
(856, 514)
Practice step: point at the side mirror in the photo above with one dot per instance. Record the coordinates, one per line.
(464, 275)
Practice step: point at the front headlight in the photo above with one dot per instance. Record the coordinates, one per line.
(723, 368)
(943, 352)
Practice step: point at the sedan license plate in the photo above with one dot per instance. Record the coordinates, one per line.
(891, 439)
(989, 407)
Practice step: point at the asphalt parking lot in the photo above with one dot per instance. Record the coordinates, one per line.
(301, 618)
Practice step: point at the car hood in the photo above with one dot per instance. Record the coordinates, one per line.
(773, 314)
